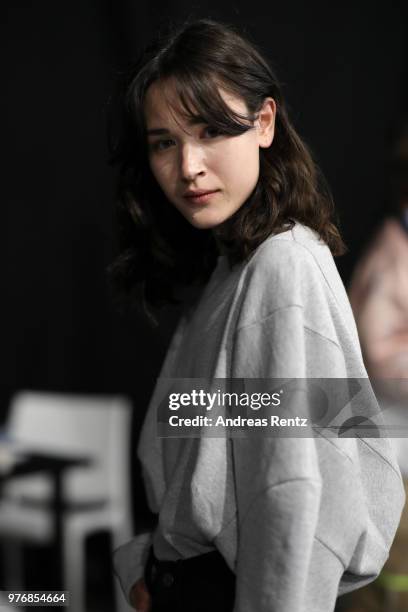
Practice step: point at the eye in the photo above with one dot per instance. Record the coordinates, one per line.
(161, 145)
(211, 132)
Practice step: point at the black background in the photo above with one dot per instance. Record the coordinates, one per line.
(343, 69)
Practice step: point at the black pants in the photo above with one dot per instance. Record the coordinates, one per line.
(197, 584)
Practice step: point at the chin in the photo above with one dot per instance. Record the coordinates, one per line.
(205, 221)
(204, 225)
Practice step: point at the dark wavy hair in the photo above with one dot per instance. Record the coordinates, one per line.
(160, 252)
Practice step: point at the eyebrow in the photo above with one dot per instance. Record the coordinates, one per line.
(196, 120)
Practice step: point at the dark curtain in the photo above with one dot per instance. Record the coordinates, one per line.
(343, 71)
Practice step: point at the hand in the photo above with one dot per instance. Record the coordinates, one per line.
(139, 596)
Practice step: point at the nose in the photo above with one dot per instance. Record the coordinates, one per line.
(191, 162)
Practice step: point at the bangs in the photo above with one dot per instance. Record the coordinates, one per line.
(199, 101)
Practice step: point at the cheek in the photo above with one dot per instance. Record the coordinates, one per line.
(162, 173)
(240, 165)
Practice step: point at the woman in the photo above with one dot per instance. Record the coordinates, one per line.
(218, 191)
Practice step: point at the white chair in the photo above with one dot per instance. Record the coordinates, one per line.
(96, 496)
(4, 607)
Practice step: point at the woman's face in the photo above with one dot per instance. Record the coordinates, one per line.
(207, 176)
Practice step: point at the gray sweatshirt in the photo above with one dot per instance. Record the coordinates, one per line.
(299, 520)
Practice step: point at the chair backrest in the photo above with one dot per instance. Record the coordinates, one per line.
(97, 428)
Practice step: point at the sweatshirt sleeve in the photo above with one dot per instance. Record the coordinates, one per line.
(129, 561)
(276, 547)
(281, 565)
(282, 346)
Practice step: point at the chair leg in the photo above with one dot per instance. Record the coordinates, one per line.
(13, 563)
(74, 568)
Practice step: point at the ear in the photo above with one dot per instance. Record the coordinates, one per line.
(265, 123)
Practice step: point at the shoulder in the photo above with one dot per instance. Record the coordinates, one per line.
(297, 246)
(289, 260)
(291, 269)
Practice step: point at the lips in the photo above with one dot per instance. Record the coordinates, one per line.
(200, 197)
(199, 192)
